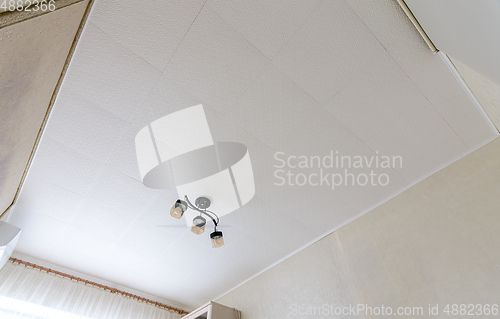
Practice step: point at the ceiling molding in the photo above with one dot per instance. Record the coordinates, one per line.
(417, 25)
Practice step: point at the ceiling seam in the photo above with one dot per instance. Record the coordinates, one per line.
(182, 40)
(293, 35)
(168, 62)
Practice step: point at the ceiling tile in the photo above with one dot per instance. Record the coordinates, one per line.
(243, 255)
(329, 49)
(267, 25)
(122, 257)
(84, 127)
(213, 62)
(48, 199)
(426, 69)
(438, 157)
(154, 230)
(153, 37)
(319, 134)
(184, 256)
(378, 96)
(123, 194)
(261, 221)
(413, 135)
(457, 107)
(79, 250)
(101, 220)
(386, 20)
(477, 133)
(108, 74)
(439, 84)
(40, 233)
(123, 157)
(273, 107)
(55, 163)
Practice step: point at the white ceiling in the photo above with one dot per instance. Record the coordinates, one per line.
(300, 77)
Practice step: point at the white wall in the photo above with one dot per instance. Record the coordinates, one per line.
(436, 243)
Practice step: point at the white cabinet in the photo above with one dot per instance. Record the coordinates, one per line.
(213, 310)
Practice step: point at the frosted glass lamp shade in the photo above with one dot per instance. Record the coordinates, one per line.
(217, 239)
(178, 209)
(198, 226)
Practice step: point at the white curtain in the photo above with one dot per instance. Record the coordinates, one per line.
(30, 293)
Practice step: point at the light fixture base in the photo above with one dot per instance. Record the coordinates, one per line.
(202, 202)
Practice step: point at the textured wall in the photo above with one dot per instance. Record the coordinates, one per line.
(32, 56)
(436, 243)
(486, 91)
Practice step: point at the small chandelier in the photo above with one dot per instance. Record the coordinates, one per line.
(199, 222)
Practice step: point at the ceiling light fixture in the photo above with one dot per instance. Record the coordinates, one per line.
(199, 222)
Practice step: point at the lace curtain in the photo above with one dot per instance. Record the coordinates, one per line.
(30, 293)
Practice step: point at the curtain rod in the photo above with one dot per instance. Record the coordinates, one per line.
(111, 290)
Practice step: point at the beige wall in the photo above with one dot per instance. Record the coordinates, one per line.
(436, 243)
(33, 53)
(485, 90)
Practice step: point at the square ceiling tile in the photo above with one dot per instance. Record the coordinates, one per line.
(385, 19)
(172, 92)
(267, 25)
(259, 220)
(243, 253)
(58, 164)
(101, 220)
(273, 107)
(329, 49)
(84, 127)
(79, 250)
(108, 74)
(153, 37)
(413, 135)
(121, 193)
(214, 62)
(39, 233)
(123, 257)
(124, 156)
(184, 256)
(48, 199)
(154, 230)
(261, 155)
(319, 135)
(452, 149)
(458, 108)
(477, 133)
(426, 69)
(378, 96)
